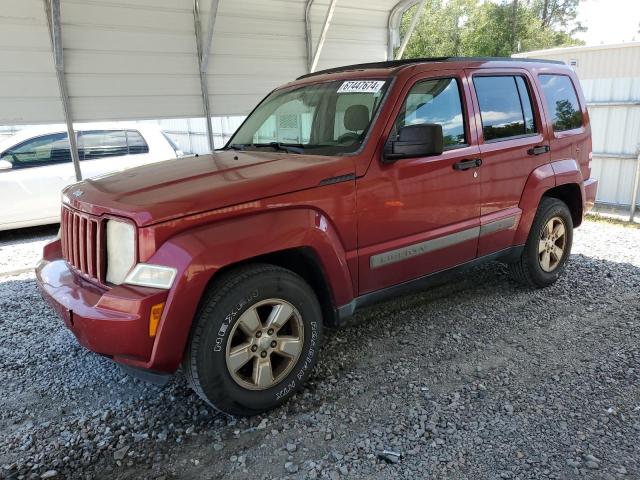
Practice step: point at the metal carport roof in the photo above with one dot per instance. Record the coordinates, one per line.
(87, 60)
(134, 59)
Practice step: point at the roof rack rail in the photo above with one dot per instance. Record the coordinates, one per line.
(409, 61)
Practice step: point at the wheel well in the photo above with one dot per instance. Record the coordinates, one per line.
(305, 263)
(570, 194)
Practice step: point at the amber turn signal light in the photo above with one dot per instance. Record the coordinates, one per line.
(154, 318)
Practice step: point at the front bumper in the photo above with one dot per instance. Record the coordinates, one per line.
(110, 321)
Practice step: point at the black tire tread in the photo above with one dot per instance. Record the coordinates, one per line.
(213, 294)
(520, 269)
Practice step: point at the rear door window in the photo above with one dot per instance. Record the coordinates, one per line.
(505, 107)
(435, 101)
(102, 143)
(97, 144)
(562, 102)
(40, 151)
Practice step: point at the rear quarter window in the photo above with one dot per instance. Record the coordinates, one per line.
(562, 102)
(136, 143)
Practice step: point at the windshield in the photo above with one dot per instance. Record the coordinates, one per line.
(329, 118)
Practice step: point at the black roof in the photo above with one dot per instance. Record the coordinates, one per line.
(409, 61)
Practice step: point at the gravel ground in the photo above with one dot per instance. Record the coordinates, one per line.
(479, 378)
(20, 250)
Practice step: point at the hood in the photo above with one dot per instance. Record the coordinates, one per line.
(184, 186)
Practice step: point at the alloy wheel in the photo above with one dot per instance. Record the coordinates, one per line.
(265, 344)
(552, 244)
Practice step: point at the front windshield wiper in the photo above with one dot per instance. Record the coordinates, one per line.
(285, 147)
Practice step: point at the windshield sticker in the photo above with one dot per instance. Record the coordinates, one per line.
(361, 86)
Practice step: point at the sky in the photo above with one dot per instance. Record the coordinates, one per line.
(609, 21)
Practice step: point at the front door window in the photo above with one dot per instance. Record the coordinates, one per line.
(435, 101)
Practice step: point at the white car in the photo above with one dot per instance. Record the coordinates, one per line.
(35, 165)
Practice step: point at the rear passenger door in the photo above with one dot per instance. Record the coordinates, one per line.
(513, 142)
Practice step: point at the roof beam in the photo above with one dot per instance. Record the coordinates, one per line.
(208, 40)
(407, 36)
(52, 11)
(308, 35)
(203, 47)
(323, 34)
(393, 25)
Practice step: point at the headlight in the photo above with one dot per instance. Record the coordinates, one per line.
(154, 276)
(121, 255)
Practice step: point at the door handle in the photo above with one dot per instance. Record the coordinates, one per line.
(539, 150)
(467, 164)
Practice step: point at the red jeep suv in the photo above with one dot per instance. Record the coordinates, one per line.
(340, 189)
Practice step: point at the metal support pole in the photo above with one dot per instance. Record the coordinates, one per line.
(323, 36)
(393, 25)
(203, 49)
(206, 48)
(309, 38)
(636, 190)
(52, 10)
(412, 26)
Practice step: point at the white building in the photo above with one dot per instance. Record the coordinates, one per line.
(610, 77)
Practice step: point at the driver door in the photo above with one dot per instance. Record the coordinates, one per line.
(417, 216)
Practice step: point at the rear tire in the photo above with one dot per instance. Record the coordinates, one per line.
(548, 245)
(255, 340)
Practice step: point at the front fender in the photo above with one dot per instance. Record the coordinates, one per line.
(199, 253)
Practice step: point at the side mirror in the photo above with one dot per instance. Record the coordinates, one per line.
(420, 140)
(5, 165)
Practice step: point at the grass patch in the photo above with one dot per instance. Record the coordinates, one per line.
(600, 218)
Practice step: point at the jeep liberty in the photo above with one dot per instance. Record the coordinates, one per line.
(340, 189)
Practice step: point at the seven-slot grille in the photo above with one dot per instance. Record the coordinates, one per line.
(81, 236)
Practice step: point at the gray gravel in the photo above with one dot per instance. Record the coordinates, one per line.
(479, 378)
(20, 250)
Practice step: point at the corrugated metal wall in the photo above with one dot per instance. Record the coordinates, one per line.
(137, 59)
(610, 78)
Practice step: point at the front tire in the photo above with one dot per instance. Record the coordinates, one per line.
(255, 340)
(548, 245)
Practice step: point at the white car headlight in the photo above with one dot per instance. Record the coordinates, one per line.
(155, 276)
(121, 255)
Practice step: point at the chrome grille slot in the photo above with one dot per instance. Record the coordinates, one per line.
(80, 235)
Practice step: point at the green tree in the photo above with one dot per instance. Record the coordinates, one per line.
(441, 28)
(558, 14)
(567, 117)
(491, 28)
